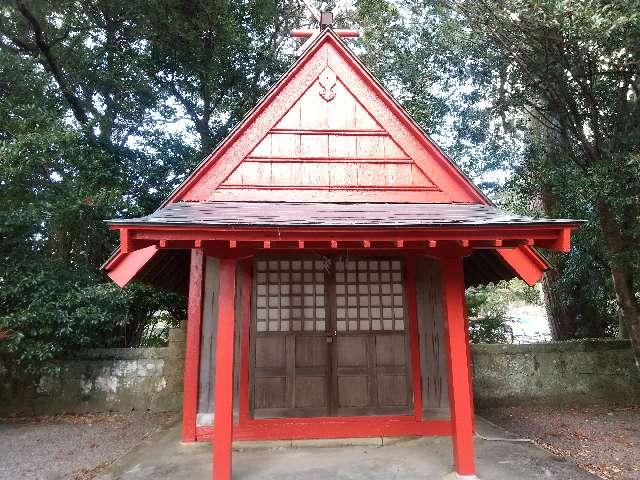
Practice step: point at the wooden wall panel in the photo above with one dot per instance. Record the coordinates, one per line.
(285, 145)
(314, 146)
(370, 146)
(332, 146)
(433, 359)
(206, 387)
(364, 120)
(343, 146)
(208, 343)
(342, 114)
(291, 120)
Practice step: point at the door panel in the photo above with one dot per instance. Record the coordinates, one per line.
(329, 338)
(392, 391)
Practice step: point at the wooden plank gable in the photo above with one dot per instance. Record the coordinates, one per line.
(328, 132)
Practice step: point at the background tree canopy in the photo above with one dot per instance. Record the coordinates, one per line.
(106, 105)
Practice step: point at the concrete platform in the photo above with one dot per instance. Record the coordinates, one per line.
(163, 456)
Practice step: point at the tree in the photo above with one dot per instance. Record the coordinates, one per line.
(554, 80)
(89, 98)
(575, 68)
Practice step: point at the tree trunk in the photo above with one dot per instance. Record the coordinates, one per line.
(622, 274)
(561, 320)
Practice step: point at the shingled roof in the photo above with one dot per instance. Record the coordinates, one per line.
(291, 214)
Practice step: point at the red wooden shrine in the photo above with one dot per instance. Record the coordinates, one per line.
(329, 178)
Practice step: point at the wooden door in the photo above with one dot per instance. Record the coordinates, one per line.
(370, 357)
(328, 338)
(291, 367)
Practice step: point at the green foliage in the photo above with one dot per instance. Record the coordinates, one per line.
(487, 314)
(546, 93)
(106, 105)
(95, 99)
(488, 305)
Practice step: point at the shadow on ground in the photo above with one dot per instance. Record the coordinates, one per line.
(163, 456)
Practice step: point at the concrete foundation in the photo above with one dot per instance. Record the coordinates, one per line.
(162, 456)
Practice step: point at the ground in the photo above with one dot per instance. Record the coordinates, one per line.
(71, 446)
(602, 439)
(162, 456)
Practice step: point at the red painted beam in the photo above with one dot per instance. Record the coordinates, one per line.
(192, 353)
(333, 427)
(526, 264)
(459, 365)
(563, 243)
(130, 264)
(126, 242)
(154, 232)
(223, 407)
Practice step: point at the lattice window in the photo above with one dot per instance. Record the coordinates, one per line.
(290, 295)
(369, 295)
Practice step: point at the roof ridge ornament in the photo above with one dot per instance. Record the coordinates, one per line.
(325, 20)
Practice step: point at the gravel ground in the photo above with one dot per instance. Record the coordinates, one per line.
(74, 447)
(605, 440)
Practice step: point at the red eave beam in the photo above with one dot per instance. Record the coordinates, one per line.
(125, 266)
(135, 237)
(525, 263)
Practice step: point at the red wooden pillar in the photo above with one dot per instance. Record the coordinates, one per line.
(192, 352)
(223, 408)
(459, 366)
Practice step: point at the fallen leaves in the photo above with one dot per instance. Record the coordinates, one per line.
(602, 439)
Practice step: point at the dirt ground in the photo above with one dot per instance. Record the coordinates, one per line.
(604, 440)
(73, 447)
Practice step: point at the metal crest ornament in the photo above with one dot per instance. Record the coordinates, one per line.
(325, 20)
(327, 81)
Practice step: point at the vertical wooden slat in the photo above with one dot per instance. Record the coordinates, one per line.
(223, 423)
(414, 340)
(192, 353)
(459, 377)
(247, 290)
(208, 340)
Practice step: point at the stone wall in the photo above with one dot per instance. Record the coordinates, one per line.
(116, 379)
(574, 371)
(151, 378)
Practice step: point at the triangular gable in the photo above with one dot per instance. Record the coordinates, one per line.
(328, 132)
(434, 177)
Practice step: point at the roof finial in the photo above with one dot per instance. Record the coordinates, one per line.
(325, 20)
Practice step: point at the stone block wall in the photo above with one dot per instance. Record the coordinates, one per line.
(151, 378)
(559, 372)
(117, 379)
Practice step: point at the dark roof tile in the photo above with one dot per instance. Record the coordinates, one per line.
(281, 214)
